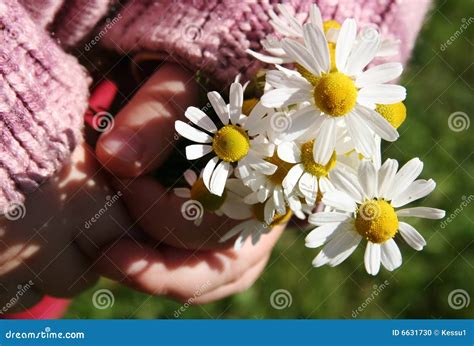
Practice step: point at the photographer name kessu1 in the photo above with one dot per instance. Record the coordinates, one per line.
(446, 332)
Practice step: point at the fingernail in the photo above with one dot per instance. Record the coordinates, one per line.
(124, 144)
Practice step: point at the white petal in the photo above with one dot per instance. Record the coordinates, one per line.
(339, 247)
(347, 183)
(378, 123)
(316, 41)
(269, 211)
(379, 74)
(360, 134)
(190, 176)
(386, 175)
(325, 185)
(363, 53)
(381, 94)
(219, 106)
(372, 258)
(416, 190)
(391, 256)
(198, 117)
(236, 97)
(323, 218)
(208, 170)
(423, 212)
(368, 178)
(339, 200)
(219, 178)
(236, 230)
(320, 235)
(344, 44)
(301, 55)
(290, 21)
(283, 96)
(182, 192)
(292, 177)
(289, 152)
(405, 176)
(196, 151)
(191, 133)
(308, 186)
(315, 16)
(301, 121)
(236, 211)
(267, 58)
(411, 236)
(263, 166)
(324, 146)
(279, 201)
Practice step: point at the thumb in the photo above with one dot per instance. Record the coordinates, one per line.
(142, 136)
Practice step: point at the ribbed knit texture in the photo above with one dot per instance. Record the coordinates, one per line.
(43, 91)
(212, 36)
(43, 96)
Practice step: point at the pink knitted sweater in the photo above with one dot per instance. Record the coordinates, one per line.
(43, 90)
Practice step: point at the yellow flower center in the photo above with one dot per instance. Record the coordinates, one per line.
(376, 221)
(395, 113)
(278, 219)
(335, 94)
(312, 167)
(282, 170)
(209, 201)
(231, 143)
(248, 105)
(331, 24)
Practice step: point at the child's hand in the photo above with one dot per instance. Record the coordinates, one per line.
(50, 249)
(140, 141)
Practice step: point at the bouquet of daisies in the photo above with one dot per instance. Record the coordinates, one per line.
(307, 143)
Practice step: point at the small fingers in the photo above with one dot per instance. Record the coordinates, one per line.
(142, 135)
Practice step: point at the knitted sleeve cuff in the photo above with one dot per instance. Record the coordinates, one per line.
(43, 96)
(212, 36)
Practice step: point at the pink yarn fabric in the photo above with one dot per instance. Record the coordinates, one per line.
(212, 36)
(43, 95)
(43, 91)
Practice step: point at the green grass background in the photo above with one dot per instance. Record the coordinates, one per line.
(438, 83)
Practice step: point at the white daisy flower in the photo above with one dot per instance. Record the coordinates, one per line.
(268, 190)
(229, 204)
(234, 143)
(348, 95)
(305, 175)
(366, 208)
(257, 226)
(287, 26)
